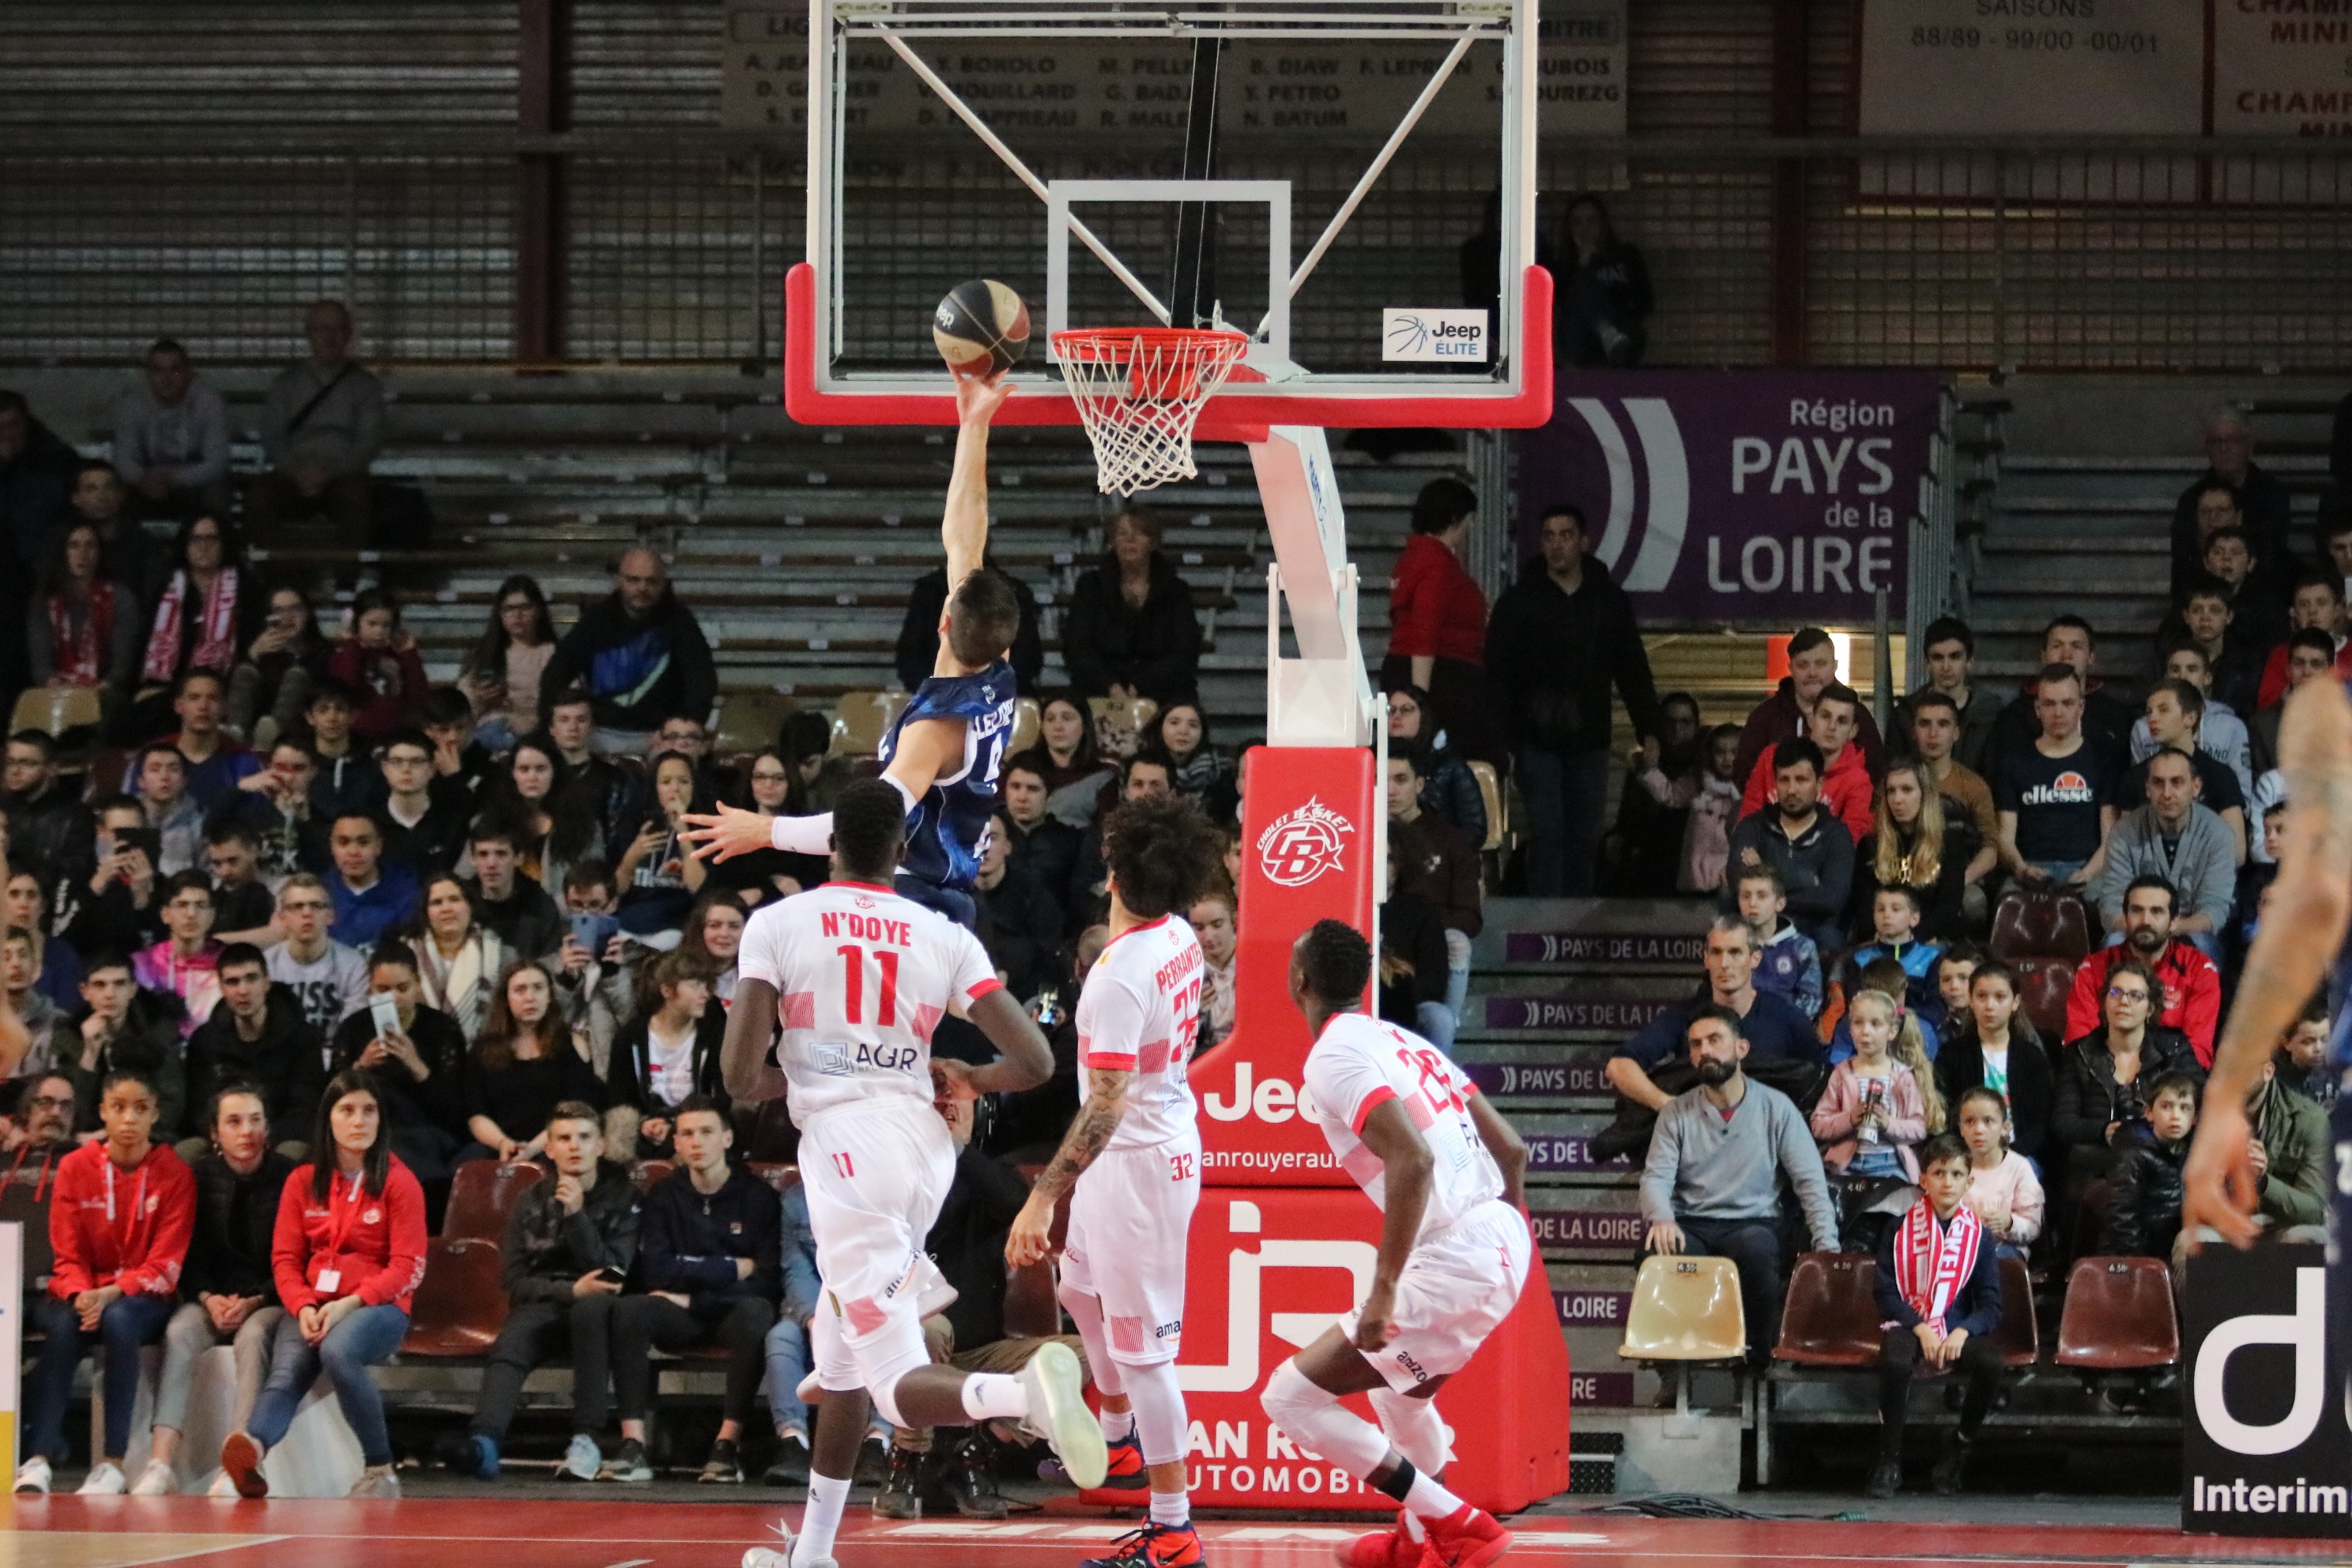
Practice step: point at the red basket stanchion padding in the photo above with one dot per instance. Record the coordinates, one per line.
(1140, 391)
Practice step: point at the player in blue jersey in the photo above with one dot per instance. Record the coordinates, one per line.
(944, 752)
(2304, 939)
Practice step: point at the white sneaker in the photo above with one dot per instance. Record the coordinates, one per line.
(781, 1556)
(582, 1459)
(33, 1475)
(375, 1483)
(224, 1485)
(156, 1480)
(1058, 1413)
(105, 1480)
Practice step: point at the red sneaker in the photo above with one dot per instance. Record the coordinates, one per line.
(1468, 1538)
(1380, 1549)
(241, 1458)
(1153, 1546)
(1127, 1471)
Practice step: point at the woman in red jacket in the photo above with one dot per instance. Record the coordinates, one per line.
(348, 1253)
(1437, 621)
(118, 1224)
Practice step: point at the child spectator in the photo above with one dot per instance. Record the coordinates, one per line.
(186, 964)
(1791, 964)
(1998, 1050)
(1955, 966)
(2302, 1055)
(348, 1252)
(379, 662)
(2144, 1199)
(1939, 1296)
(1895, 919)
(114, 1279)
(2002, 1187)
(1706, 836)
(1871, 1112)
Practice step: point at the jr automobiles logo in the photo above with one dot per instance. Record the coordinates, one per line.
(1668, 466)
(1302, 845)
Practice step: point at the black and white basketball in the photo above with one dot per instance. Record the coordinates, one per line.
(981, 326)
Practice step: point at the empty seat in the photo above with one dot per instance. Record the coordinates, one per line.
(1831, 1316)
(482, 1193)
(1685, 1308)
(780, 1175)
(1490, 792)
(1115, 715)
(55, 710)
(1028, 719)
(2037, 922)
(1031, 1309)
(2119, 1316)
(2043, 985)
(2020, 1335)
(772, 1138)
(461, 1302)
(646, 1173)
(750, 721)
(860, 720)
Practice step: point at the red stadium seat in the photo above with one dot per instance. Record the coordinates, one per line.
(2036, 923)
(483, 1192)
(646, 1173)
(1831, 1316)
(777, 1174)
(2020, 1335)
(2119, 1316)
(2043, 985)
(772, 1136)
(461, 1302)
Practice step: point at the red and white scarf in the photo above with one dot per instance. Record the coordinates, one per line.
(79, 654)
(1929, 1270)
(216, 638)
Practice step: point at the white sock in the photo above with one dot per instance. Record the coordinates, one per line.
(1117, 1426)
(1170, 1509)
(995, 1396)
(1413, 1529)
(821, 1520)
(1430, 1501)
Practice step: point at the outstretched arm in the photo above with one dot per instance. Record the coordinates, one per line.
(2300, 934)
(963, 528)
(744, 1063)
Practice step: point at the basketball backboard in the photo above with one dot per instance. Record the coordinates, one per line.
(1078, 146)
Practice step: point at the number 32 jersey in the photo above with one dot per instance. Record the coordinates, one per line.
(1140, 1012)
(1359, 1064)
(862, 978)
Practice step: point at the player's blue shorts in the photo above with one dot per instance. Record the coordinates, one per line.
(953, 902)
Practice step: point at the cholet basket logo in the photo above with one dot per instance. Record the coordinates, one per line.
(1300, 845)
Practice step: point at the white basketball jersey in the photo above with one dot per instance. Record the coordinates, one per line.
(1138, 1012)
(1358, 1064)
(862, 977)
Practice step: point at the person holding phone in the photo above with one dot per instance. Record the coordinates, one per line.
(347, 1254)
(569, 1246)
(418, 1058)
(119, 907)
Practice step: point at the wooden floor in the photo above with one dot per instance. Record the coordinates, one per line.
(123, 1532)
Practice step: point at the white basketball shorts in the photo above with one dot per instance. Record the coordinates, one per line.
(874, 1174)
(1458, 1285)
(1131, 1217)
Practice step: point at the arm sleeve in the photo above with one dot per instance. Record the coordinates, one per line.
(1907, 1111)
(2082, 1000)
(1980, 1295)
(211, 465)
(801, 835)
(523, 1283)
(2026, 1206)
(1415, 632)
(37, 646)
(767, 1241)
(1082, 636)
(1809, 980)
(1629, 664)
(158, 1272)
(1801, 1159)
(2216, 885)
(2071, 1121)
(564, 668)
(697, 673)
(1175, 664)
(403, 1204)
(1760, 787)
(1660, 1169)
(1653, 1042)
(2122, 1234)
(68, 1270)
(290, 1245)
(276, 410)
(1832, 1117)
(367, 433)
(130, 451)
(1892, 1307)
(2201, 1014)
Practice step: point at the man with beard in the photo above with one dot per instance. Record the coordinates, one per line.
(1711, 1185)
(2192, 986)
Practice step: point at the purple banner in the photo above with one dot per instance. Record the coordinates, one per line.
(1566, 1151)
(1608, 1390)
(1611, 1013)
(1589, 1227)
(1601, 947)
(1507, 1078)
(1592, 1309)
(1779, 496)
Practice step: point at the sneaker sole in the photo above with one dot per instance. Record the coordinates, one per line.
(241, 1458)
(1485, 1552)
(1069, 1427)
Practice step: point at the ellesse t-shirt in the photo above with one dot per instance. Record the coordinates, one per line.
(2056, 799)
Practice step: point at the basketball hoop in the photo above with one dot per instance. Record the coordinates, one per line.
(1140, 391)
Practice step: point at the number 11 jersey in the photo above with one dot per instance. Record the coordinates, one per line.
(862, 978)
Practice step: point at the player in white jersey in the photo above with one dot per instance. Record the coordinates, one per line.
(1132, 1163)
(858, 977)
(1443, 1168)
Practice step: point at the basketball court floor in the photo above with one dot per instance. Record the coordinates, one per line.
(123, 1532)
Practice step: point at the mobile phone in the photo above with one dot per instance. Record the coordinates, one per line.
(149, 839)
(612, 1276)
(593, 931)
(386, 1012)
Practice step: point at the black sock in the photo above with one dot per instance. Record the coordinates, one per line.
(1398, 1484)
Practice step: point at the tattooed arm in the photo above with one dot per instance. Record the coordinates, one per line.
(1097, 1120)
(2301, 933)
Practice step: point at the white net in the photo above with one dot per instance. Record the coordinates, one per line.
(1138, 392)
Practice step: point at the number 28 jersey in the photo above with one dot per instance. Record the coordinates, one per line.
(1359, 1064)
(862, 978)
(1138, 1012)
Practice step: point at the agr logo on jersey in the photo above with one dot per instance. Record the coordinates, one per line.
(1300, 845)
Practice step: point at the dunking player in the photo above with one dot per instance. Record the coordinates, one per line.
(2300, 942)
(858, 977)
(1132, 1163)
(1443, 1168)
(943, 754)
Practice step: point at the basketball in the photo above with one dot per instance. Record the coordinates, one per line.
(981, 326)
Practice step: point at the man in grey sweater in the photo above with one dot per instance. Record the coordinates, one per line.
(321, 429)
(1712, 1185)
(171, 439)
(2176, 837)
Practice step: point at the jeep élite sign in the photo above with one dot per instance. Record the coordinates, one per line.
(2265, 1448)
(1734, 496)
